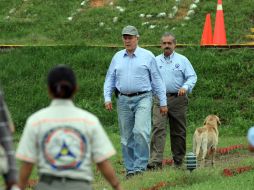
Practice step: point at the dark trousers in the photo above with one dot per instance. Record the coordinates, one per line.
(176, 118)
(49, 182)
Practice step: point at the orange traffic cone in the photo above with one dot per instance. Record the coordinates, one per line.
(219, 37)
(207, 36)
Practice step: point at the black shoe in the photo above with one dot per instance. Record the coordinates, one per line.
(138, 173)
(178, 165)
(129, 175)
(154, 166)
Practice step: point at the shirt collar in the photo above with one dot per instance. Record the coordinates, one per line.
(170, 56)
(135, 53)
(61, 102)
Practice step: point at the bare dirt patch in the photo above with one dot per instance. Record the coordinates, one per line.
(181, 13)
(99, 3)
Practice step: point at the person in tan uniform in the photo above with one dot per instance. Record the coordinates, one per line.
(63, 141)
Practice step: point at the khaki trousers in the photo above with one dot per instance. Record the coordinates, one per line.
(176, 118)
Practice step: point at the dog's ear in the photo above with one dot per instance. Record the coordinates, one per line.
(218, 120)
(205, 120)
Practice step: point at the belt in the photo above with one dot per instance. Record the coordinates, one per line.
(133, 94)
(50, 178)
(172, 94)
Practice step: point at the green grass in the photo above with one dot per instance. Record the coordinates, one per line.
(224, 88)
(45, 22)
(202, 178)
(224, 84)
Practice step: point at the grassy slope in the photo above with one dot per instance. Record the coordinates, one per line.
(224, 84)
(45, 22)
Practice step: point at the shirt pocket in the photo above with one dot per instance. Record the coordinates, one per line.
(177, 72)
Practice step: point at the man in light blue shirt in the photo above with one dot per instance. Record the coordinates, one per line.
(180, 78)
(133, 74)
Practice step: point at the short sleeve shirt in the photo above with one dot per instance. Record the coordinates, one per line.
(64, 140)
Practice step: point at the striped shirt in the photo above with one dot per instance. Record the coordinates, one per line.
(6, 126)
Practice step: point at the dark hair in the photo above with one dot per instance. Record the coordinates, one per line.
(62, 82)
(166, 34)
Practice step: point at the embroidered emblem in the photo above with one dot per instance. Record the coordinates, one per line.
(177, 65)
(64, 148)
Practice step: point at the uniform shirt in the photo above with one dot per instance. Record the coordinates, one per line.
(63, 140)
(177, 72)
(6, 126)
(136, 73)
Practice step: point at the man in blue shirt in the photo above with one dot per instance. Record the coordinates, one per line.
(133, 74)
(180, 78)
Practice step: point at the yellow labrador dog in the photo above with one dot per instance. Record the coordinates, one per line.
(206, 138)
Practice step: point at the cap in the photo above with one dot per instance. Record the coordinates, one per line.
(130, 30)
(250, 136)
